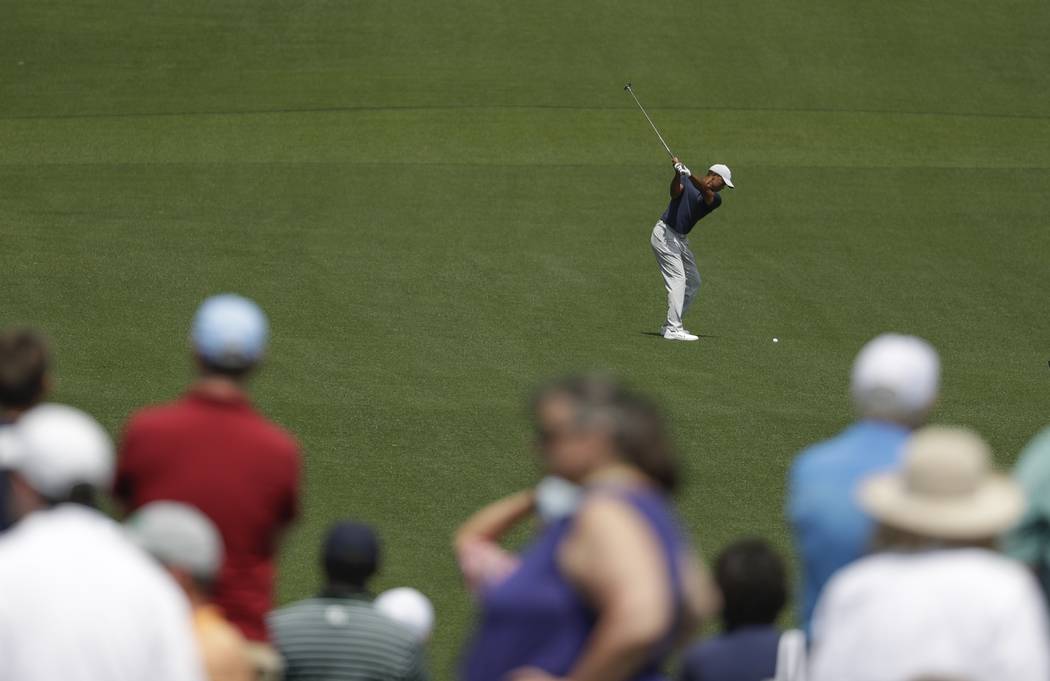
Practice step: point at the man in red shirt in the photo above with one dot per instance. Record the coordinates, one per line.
(212, 450)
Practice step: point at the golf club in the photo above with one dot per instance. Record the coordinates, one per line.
(629, 89)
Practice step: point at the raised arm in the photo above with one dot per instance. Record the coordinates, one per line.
(676, 181)
(482, 561)
(493, 521)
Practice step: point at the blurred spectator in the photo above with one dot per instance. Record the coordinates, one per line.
(894, 386)
(188, 545)
(936, 599)
(80, 601)
(482, 560)
(410, 608)
(339, 634)
(606, 592)
(25, 362)
(24, 381)
(753, 582)
(1029, 541)
(212, 450)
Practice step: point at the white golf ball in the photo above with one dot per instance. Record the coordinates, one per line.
(776, 340)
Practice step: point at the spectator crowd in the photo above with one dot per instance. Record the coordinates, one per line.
(155, 557)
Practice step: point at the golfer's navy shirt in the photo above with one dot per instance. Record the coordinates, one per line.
(688, 208)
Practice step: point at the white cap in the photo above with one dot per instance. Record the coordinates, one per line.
(178, 536)
(895, 377)
(410, 608)
(230, 331)
(724, 172)
(56, 447)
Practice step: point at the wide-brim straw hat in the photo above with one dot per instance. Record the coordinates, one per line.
(946, 489)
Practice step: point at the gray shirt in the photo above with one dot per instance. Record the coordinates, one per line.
(344, 638)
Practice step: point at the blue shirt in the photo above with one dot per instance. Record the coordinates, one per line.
(830, 528)
(745, 654)
(688, 208)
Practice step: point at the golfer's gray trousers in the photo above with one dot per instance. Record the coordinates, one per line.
(678, 267)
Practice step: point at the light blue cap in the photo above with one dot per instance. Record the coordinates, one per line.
(230, 331)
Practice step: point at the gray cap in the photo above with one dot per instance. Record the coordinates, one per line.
(179, 536)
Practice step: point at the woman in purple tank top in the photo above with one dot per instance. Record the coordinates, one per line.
(606, 592)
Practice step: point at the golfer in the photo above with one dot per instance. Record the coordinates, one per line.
(692, 198)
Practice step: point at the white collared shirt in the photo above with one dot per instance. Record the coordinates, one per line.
(955, 613)
(79, 602)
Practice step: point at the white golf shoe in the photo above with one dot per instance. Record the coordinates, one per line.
(679, 335)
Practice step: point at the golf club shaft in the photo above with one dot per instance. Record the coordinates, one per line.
(651, 124)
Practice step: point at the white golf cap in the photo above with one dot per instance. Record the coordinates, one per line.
(230, 331)
(56, 447)
(410, 608)
(895, 377)
(179, 536)
(723, 171)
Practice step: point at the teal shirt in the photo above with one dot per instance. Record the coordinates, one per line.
(1029, 542)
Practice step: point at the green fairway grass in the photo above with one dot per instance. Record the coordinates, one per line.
(440, 204)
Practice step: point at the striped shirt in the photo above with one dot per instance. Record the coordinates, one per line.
(344, 638)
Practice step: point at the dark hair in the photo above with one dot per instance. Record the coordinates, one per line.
(350, 555)
(641, 436)
(753, 582)
(238, 373)
(635, 424)
(24, 363)
(82, 494)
